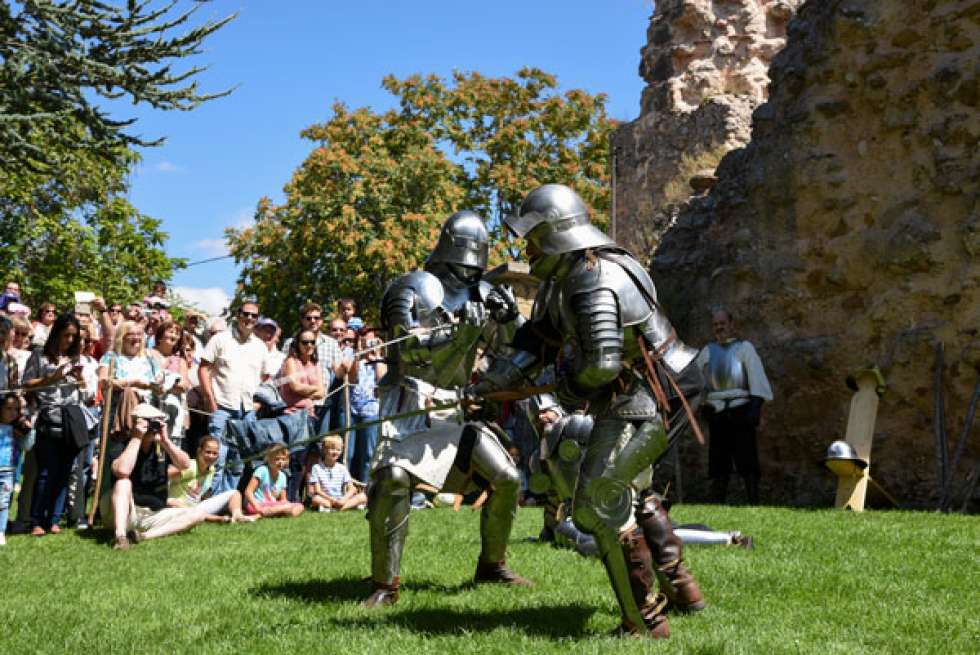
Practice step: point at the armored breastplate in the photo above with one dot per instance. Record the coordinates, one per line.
(443, 357)
(725, 370)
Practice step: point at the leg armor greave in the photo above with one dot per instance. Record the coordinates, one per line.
(389, 504)
(676, 580)
(491, 462)
(617, 454)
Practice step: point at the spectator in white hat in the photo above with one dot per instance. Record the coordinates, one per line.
(135, 506)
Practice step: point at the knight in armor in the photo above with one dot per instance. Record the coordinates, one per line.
(450, 313)
(737, 388)
(633, 371)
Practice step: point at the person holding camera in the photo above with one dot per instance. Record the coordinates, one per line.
(135, 506)
(364, 401)
(55, 374)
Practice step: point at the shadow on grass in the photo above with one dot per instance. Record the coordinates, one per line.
(345, 589)
(549, 621)
(100, 535)
(552, 621)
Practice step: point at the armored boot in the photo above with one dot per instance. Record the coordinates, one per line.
(498, 572)
(388, 510)
(490, 462)
(676, 580)
(384, 594)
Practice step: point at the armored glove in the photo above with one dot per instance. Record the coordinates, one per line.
(502, 304)
(474, 314)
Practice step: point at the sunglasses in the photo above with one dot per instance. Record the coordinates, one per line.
(312, 318)
(115, 310)
(248, 314)
(308, 342)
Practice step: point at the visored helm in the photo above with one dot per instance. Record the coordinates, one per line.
(556, 220)
(463, 242)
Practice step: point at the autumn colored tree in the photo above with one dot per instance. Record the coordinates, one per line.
(367, 203)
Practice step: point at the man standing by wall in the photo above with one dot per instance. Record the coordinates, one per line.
(737, 387)
(230, 372)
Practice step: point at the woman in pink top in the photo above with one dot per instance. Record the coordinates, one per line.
(301, 376)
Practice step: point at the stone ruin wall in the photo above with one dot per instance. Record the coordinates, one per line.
(706, 64)
(846, 233)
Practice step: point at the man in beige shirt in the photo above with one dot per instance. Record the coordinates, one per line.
(230, 372)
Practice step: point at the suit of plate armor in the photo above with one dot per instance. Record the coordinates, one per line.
(448, 308)
(598, 298)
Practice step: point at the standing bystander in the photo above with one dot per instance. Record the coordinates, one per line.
(230, 372)
(737, 388)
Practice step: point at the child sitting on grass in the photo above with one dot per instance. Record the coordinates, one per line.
(331, 486)
(266, 491)
(15, 433)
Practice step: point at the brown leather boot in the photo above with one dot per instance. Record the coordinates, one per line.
(498, 572)
(652, 606)
(655, 618)
(383, 595)
(676, 580)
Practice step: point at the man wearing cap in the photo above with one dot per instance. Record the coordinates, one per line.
(737, 388)
(268, 331)
(136, 503)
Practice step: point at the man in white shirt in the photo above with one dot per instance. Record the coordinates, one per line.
(231, 370)
(737, 388)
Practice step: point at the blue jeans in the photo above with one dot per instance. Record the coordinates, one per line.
(6, 493)
(362, 446)
(224, 480)
(54, 462)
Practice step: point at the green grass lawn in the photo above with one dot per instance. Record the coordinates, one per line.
(817, 582)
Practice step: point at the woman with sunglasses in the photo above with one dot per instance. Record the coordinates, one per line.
(300, 377)
(56, 375)
(45, 319)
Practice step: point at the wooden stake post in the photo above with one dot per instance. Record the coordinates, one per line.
(852, 481)
(103, 440)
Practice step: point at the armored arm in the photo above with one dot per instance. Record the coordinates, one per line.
(599, 334)
(515, 369)
(400, 315)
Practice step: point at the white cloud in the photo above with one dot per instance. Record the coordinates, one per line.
(168, 167)
(211, 300)
(212, 247)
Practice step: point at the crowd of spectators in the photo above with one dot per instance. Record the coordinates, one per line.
(163, 384)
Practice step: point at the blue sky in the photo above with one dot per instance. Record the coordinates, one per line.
(292, 59)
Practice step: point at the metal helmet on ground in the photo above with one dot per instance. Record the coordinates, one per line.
(463, 241)
(556, 220)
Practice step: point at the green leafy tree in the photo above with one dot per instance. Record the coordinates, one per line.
(76, 231)
(367, 203)
(57, 59)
